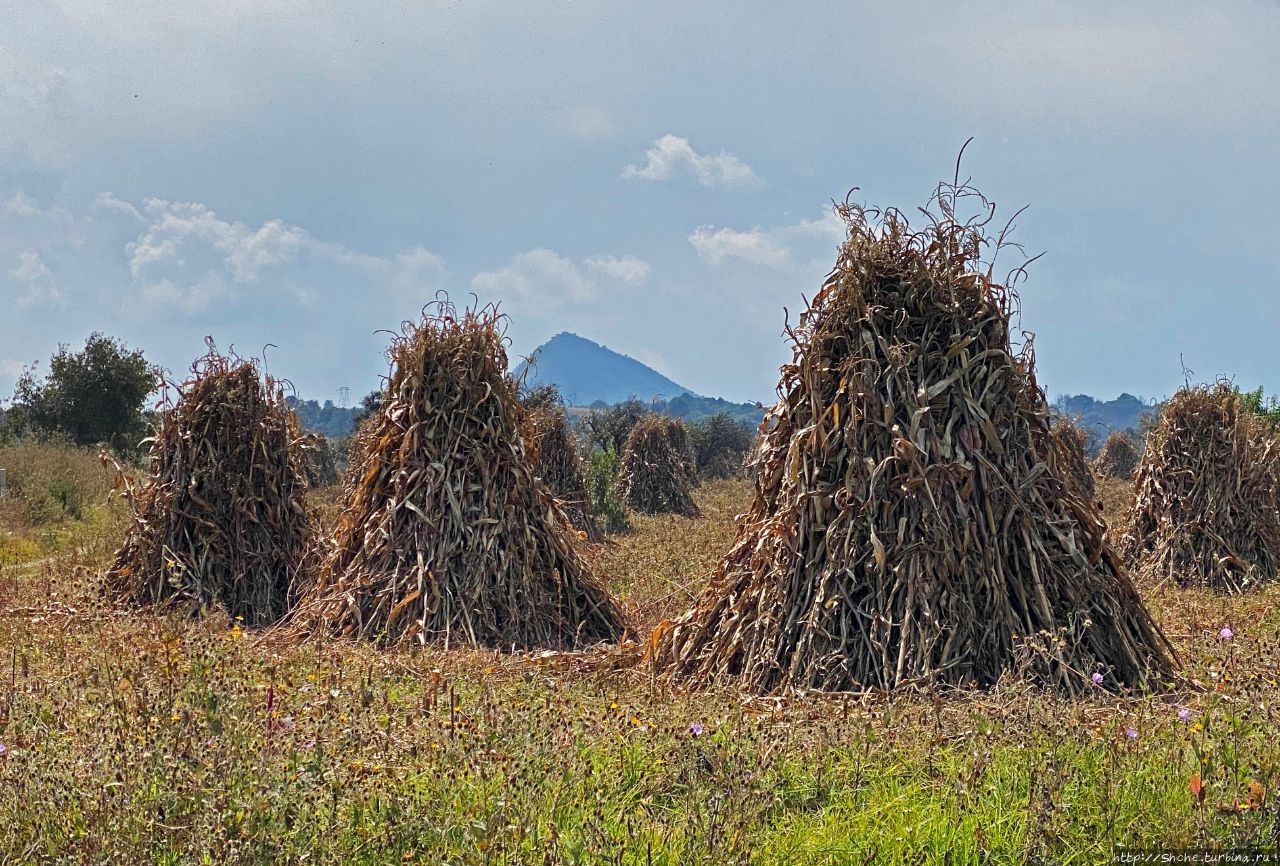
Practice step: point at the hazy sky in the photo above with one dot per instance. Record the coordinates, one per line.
(654, 176)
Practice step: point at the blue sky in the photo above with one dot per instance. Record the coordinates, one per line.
(652, 176)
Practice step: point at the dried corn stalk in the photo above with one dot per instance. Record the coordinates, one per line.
(1070, 441)
(561, 470)
(912, 523)
(446, 533)
(220, 519)
(319, 460)
(1205, 506)
(656, 474)
(1118, 457)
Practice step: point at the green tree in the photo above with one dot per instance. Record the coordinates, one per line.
(1267, 407)
(94, 396)
(371, 404)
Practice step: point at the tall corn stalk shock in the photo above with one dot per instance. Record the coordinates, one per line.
(1070, 441)
(561, 470)
(1118, 457)
(912, 522)
(446, 533)
(1205, 505)
(656, 474)
(221, 517)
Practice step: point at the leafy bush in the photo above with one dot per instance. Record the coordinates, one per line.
(1267, 407)
(605, 504)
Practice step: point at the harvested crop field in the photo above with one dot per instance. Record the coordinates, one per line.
(150, 737)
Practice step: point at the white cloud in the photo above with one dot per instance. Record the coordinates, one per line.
(20, 205)
(543, 278)
(829, 226)
(188, 256)
(35, 275)
(769, 248)
(627, 269)
(179, 229)
(416, 274)
(108, 201)
(177, 18)
(756, 247)
(670, 153)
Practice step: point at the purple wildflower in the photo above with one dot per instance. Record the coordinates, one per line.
(1184, 715)
(1226, 633)
(1097, 678)
(309, 744)
(695, 729)
(3, 748)
(1130, 733)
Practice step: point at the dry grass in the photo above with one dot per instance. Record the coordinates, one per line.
(50, 482)
(1115, 498)
(58, 499)
(1118, 457)
(1071, 440)
(664, 564)
(560, 468)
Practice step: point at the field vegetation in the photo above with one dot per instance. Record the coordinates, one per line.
(144, 737)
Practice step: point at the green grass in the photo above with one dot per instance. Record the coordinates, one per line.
(137, 737)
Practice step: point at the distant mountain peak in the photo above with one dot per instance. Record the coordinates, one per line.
(586, 371)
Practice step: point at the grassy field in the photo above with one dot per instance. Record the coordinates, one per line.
(134, 737)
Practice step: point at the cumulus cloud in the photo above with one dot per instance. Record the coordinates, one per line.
(20, 205)
(626, 269)
(415, 274)
(179, 230)
(543, 278)
(189, 256)
(109, 202)
(768, 248)
(33, 274)
(755, 246)
(671, 154)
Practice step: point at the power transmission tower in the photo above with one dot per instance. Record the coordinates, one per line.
(344, 397)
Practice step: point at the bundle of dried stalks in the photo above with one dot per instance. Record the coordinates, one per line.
(1118, 457)
(905, 530)
(1205, 504)
(1071, 442)
(656, 474)
(720, 446)
(319, 460)
(220, 519)
(561, 470)
(446, 533)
